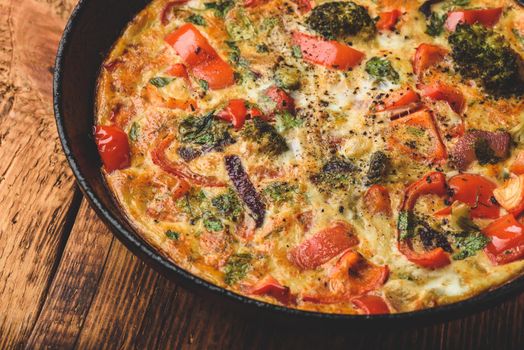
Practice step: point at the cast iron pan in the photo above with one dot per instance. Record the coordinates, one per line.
(92, 29)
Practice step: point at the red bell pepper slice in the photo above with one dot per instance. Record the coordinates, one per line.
(507, 240)
(304, 6)
(235, 112)
(432, 259)
(323, 246)
(477, 192)
(443, 92)
(254, 3)
(178, 70)
(405, 97)
(420, 120)
(204, 62)
(388, 20)
(352, 275)
(517, 167)
(371, 305)
(486, 17)
(217, 73)
(113, 147)
(180, 170)
(432, 183)
(329, 53)
(283, 101)
(271, 287)
(377, 200)
(427, 55)
(364, 276)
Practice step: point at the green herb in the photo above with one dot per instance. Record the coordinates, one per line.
(296, 51)
(519, 36)
(239, 27)
(269, 23)
(268, 138)
(134, 131)
(203, 84)
(228, 205)
(205, 131)
(469, 245)
(461, 2)
(280, 192)
(287, 121)
(418, 132)
(194, 204)
(404, 225)
(212, 223)
(196, 19)
(435, 24)
(220, 7)
(160, 82)
(381, 69)
(173, 235)
(236, 267)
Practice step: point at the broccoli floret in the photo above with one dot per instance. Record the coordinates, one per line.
(381, 69)
(481, 54)
(236, 268)
(205, 131)
(280, 192)
(340, 19)
(228, 205)
(335, 175)
(265, 134)
(378, 167)
(287, 77)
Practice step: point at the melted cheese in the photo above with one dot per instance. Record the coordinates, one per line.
(335, 109)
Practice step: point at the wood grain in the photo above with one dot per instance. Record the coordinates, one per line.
(36, 186)
(65, 282)
(74, 285)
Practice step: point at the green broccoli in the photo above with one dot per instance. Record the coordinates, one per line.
(481, 54)
(340, 19)
(236, 268)
(287, 77)
(381, 69)
(279, 192)
(228, 205)
(265, 134)
(205, 132)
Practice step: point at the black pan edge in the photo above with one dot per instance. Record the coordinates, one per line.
(173, 272)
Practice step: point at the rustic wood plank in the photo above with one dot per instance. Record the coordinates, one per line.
(36, 186)
(74, 285)
(123, 294)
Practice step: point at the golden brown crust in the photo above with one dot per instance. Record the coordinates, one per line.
(336, 115)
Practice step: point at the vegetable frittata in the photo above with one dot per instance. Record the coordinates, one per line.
(357, 157)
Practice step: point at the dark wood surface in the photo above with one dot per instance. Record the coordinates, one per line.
(65, 282)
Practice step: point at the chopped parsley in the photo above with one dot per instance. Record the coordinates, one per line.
(469, 245)
(134, 131)
(160, 82)
(236, 267)
(196, 19)
(173, 235)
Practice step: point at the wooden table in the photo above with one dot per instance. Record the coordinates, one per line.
(65, 281)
